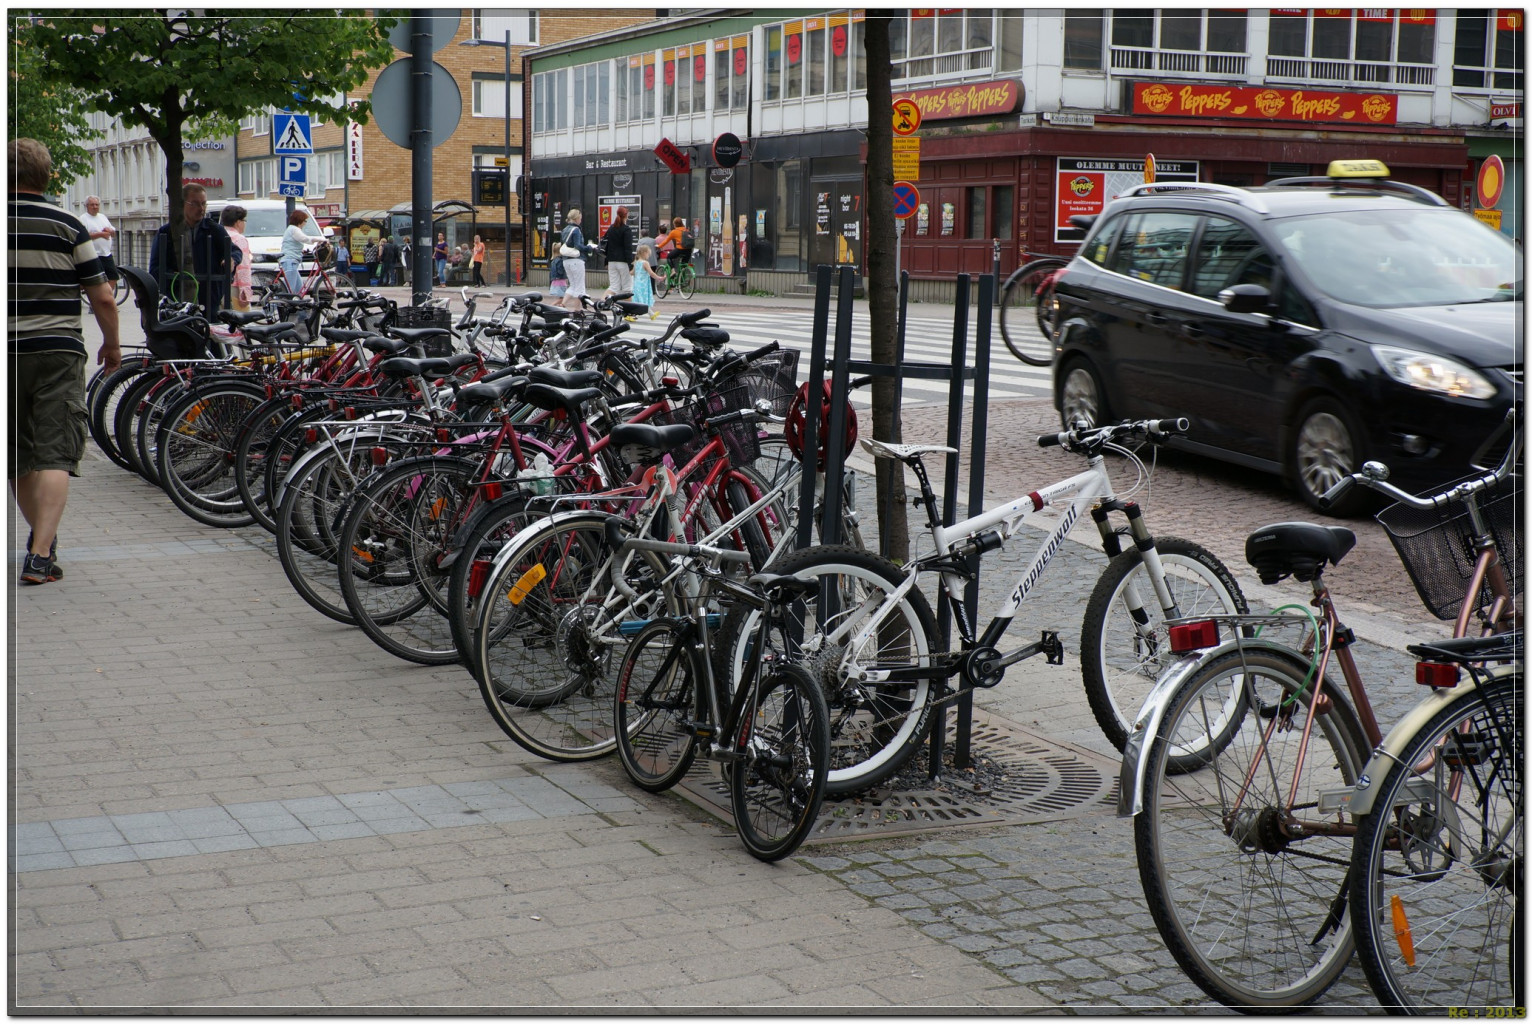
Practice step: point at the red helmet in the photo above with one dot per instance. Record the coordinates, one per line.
(795, 418)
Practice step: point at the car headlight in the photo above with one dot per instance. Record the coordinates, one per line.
(1430, 372)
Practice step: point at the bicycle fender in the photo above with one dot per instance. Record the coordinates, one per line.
(512, 550)
(1146, 726)
(350, 435)
(1360, 800)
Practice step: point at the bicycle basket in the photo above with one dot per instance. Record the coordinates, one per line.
(427, 316)
(741, 440)
(773, 378)
(1436, 547)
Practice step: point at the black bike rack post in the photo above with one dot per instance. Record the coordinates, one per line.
(954, 373)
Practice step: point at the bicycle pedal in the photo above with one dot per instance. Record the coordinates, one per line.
(701, 730)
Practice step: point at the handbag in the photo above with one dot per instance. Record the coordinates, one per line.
(566, 250)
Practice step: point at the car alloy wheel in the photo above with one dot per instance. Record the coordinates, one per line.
(1325, 449)
(1081, 397)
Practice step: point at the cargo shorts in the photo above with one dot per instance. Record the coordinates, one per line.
(47, 393)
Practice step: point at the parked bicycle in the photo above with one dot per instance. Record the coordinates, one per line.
(875, 648)
(1249, 775)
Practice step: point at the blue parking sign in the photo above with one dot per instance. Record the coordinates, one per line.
(292, 175)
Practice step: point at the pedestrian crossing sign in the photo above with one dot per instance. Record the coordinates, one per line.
(292, 134)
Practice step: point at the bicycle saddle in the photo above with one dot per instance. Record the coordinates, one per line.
(273, 332)
(632, 308)
(645, 442)
(234, 318)
(342, 334)
(902, 452)
(402, 366)
(710, 337)
(378, 343)
(1299, 550)
(779, 587)
(568, 380)
(545, 396)
(490, 390)
(419, 335)
(1497, 647)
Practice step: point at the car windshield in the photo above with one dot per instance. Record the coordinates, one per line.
(1387, 258)
(264, 223)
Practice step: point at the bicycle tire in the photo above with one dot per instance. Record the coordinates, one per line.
(548, 645)
(146, 427)
(120, 290)
(1021, 326)
(1120, 658)
(194, 452)
(125, 420)
(388, 555)
(103, 410)
(658, 694)
(777, 790)
(874, 729)
(662, 286)
(316, 492)
(686, 281)
(255, 435)
(1253, 915)
(1453, 863)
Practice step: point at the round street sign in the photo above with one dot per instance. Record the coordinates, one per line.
(1148, 168)
(391, 104)
(906, 116)
(1490, 182)
(906, 200)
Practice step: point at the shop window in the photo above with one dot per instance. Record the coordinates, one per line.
(1082, 40)
(517, 27)
(773, 63)
(976, 213)
(815, 70)
(721, 63)
(1005, 211)
(1488, 50)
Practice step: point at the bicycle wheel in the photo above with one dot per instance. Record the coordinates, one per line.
(1027, 333)
(657, 695)
(103, 409)
(662, 286)
(314, 496)
(1122, 651)
(146, 427)
(686, 281)
(389, 552)
(120, 290)
(779, 787)
(194, 452)
(1250, 903)
(548, 642)
(1439, 861)
(875, 727)
(125, 417)
(255, 435)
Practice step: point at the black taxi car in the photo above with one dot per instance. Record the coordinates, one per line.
(1304, 326)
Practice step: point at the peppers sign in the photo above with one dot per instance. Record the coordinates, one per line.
(727, 150)
(673, 157)
(1253, 103)
(1490, 182)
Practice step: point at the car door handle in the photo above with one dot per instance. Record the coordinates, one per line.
(1154, 319)
(1192, 330)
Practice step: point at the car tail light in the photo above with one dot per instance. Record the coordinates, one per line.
(1193, 636)
(1436, 674)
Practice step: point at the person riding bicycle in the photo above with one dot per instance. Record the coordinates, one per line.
(681, 243)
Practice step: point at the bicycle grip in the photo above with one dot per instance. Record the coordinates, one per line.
(1328, 498)
(762, 352)
(1178, 425)
(696, 316)
(1051, 440)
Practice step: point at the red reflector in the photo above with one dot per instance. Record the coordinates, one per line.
(334, 404)
(477, 574)
(297, 402)
(492, 491)
(671, 382)
(350, 412)
(443, 434)
(311, 435)
(1436, 674)
(1193, 636)
(379, 456)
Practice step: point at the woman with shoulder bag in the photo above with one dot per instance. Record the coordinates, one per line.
(572, 247)
(619, 254)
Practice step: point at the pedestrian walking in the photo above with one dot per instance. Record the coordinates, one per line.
(293, 242)
(101, 234)
(233, 220)
(195, 266)
(644, 276)
(573, 248)
(342, 256)
(52, 260)
(439, 254)
(370, 259)
(618, 241)
(402, 261)
(478, 262)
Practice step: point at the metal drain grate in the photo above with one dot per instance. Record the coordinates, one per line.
(1029, 779)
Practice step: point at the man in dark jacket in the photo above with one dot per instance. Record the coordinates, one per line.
(202, 252)
(388, 261)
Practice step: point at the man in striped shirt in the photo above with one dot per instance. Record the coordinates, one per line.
(51, 260)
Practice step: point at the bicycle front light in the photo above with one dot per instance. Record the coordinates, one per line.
(1435, 373)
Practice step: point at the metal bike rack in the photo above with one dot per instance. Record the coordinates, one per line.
(955, 374)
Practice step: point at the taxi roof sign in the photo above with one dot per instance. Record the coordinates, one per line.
(1357, 169)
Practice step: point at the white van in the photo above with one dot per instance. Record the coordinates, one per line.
(265, 222)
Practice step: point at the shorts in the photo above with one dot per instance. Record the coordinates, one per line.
(619, 277)
(47, 396)
(110, 265)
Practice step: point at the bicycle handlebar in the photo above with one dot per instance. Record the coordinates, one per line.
(1153, 430)
(1374, 475)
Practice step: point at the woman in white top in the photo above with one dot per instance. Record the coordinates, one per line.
(293, 241)
(574, 266)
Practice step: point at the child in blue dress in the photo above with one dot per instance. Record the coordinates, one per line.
(643, 276)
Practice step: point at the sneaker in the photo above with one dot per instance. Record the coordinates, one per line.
(53, 549)
(39, 569)
(653, 315)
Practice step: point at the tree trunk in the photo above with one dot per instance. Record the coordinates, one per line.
(883, 285)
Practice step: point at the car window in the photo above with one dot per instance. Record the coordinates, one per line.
(1101, 242)
(1153, 247)
(1228, 253)
(1392, 257)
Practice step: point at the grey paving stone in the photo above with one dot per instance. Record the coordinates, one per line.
(91, 840)
(223, 844)
(37, 844)
(42, 861)
(104, 855)
(168, 848)
(282, 836)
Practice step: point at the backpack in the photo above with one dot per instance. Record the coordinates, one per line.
(688, 240)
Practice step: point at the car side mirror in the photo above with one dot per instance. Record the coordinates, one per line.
(1246, 298)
